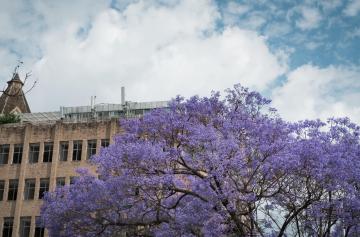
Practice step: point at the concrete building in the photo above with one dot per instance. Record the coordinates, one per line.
(43, 151)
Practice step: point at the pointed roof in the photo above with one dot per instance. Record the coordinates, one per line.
(15, 78)
(13, 99)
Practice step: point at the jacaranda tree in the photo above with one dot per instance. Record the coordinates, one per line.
(216, 167)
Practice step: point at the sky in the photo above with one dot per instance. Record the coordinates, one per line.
(303, 55)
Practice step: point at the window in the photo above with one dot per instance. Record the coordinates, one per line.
(72, 179)
(25, 225)
(64, 150)
(2, 188)
(13, 187)
(29, 191)
(91, 149)
(39, 230)
(44, 187)
(60, 181)
(77, 150)
(48, 152)
(8, 226)
(34, 152)
(105, 142)
(18, 149)
(4, 154)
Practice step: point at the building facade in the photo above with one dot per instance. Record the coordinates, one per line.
(44, 150)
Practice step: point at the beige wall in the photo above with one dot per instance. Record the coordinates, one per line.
(40, 133)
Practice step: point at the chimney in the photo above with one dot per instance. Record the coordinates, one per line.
(122, 95)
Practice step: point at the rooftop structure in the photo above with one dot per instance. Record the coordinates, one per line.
(13, 101)
(97, 112)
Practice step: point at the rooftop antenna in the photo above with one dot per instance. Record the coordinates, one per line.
(16, 69)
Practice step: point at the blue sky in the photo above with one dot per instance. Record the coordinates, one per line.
(321, 32)
(304, 55)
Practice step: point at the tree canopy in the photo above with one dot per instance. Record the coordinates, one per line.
(216, 167)
(9, 118)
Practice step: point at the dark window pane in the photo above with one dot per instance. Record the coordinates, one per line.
(72, 179)
(8, 226)
(60, 181)
(39, 230)
(48, 151)
(91, 149)
(77, 150)
(13, 187)
(34, 150)
(29, 189)
(18, 150)
(2, 188)
(4, 154)
(105, 142)
(64, 150)
(25, 225)
(44, 187)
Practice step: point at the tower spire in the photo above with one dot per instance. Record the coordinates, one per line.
(13, 99)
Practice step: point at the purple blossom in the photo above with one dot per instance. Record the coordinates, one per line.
(212, 167)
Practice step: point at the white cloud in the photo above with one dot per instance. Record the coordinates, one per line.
(7, 62)
(24, 24)
(283, 56)
(355, 33)
(233, 12)
(310, 18)
(353, 8)
(156, 51)
(254, 21)
(277, 29)
(312, 45)
(312, 92)
(237, 8)
(330, 5)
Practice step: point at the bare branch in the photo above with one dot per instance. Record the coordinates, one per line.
(32, 87)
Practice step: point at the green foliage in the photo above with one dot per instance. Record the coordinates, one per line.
(9, 118)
